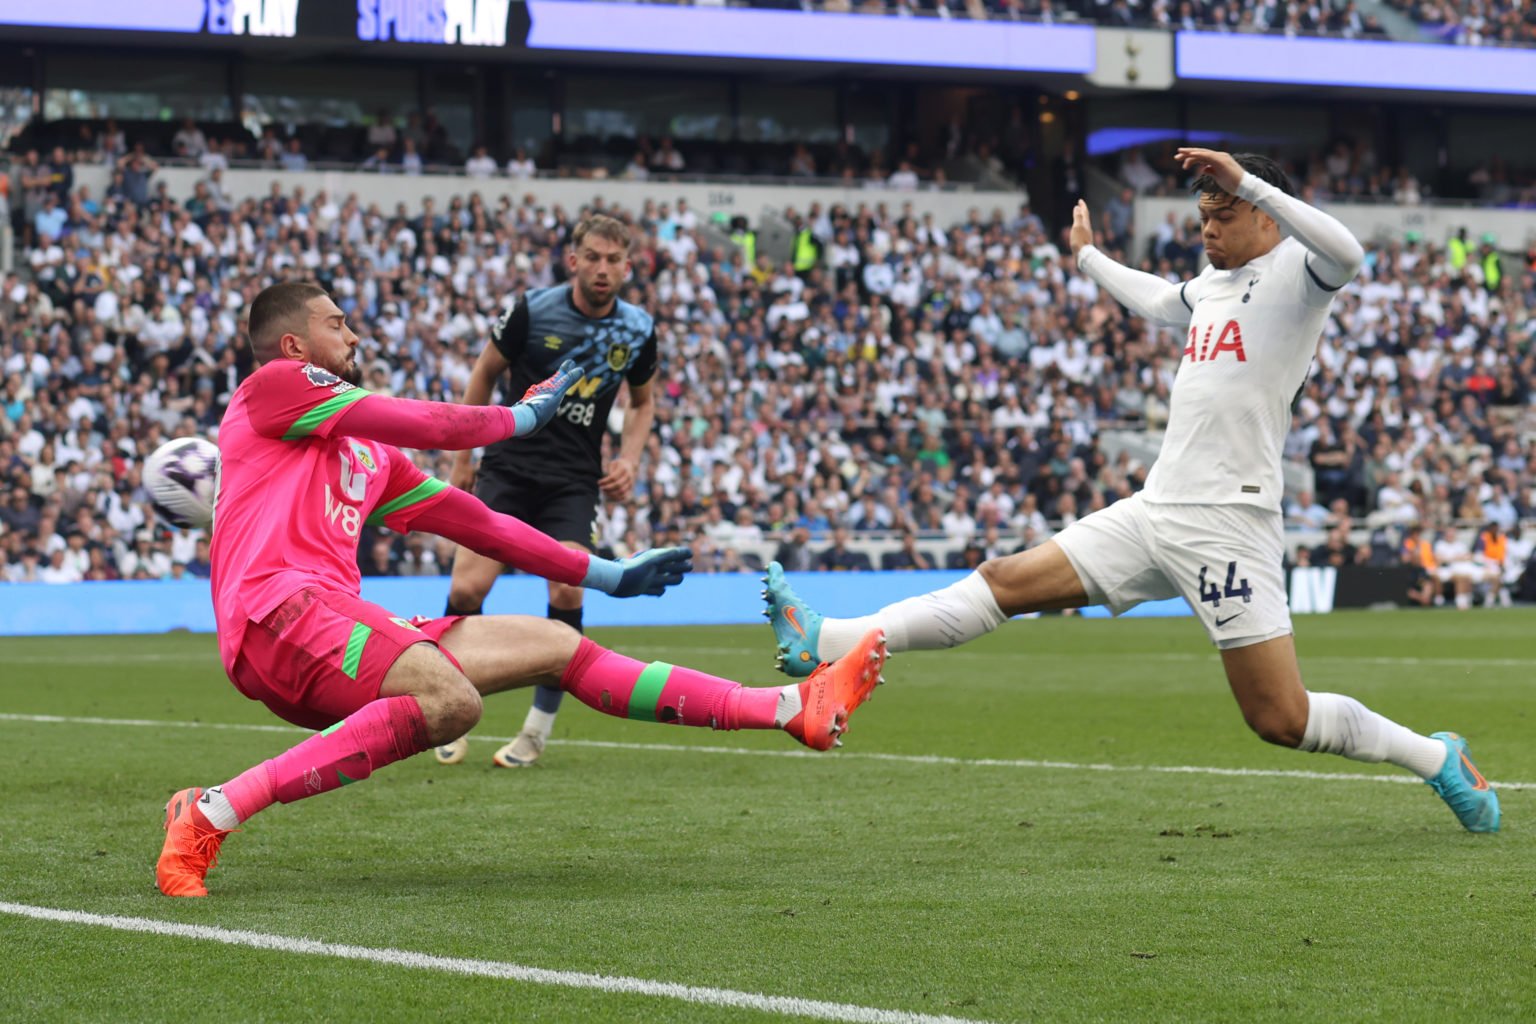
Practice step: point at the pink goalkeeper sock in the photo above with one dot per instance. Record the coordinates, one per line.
(371, 737)
(658, 692)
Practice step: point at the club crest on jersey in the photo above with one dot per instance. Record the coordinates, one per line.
(318, 377)
(1200, 349)
(618, 356)
(364, 456)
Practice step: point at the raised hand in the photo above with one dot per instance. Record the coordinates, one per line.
(1082, 227)
(540, 402)
(1227, 171)
(652, 572)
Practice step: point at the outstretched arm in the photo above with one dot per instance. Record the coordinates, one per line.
(465, 519)
(408, 423)
(1335, 254)
(1146, 295)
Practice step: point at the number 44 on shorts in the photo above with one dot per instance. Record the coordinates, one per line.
(1234, 587)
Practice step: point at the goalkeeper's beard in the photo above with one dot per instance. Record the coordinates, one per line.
(348, 371)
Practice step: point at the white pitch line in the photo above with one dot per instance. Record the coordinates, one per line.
(729, 998)
(916, 759)
(1215, 659)
(124, 658)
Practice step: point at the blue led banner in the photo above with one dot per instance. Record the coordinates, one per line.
(1358, 64)
(41, 609)
(795, 35)
(219, 17)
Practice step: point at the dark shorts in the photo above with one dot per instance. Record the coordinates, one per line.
(323, 654)
(564, 510)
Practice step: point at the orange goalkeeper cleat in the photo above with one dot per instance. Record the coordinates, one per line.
(191, 847)
(834, 691)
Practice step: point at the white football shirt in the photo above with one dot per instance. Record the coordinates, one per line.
(1249, 341)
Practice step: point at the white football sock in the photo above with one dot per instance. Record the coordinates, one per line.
(789, 705)
(942, 618)
(541, 722)
(1342, 725)
(215, 806)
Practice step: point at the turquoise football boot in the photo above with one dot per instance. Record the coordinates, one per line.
(795, 626)
(1463, 787)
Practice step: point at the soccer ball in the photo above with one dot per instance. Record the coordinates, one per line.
(181, 477)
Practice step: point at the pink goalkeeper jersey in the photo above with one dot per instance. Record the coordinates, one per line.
(293, 495)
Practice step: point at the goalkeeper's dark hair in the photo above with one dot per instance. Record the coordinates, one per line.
(280, 309)
(1261, 167)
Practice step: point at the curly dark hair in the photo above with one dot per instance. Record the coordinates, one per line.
(1261, 167)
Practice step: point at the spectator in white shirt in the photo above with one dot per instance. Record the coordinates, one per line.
(521, 166)
(667, 158)
(59, 569)
(189, 140)
(636, 169)
(481, 164)
(958, 524)
(903, 178)
(878, 276)
(213, 158)
(1137, 173)
(382, 133)
(410, 160)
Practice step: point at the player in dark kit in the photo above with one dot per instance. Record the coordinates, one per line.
(552, 482)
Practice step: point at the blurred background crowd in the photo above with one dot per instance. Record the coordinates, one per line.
(942, 388)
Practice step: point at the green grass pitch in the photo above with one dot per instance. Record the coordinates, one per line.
(986, 869)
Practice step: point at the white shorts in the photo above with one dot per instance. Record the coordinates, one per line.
(1226, 561)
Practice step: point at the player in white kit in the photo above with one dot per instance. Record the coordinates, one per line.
(1208, 525)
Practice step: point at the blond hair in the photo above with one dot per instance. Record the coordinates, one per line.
(601, 226)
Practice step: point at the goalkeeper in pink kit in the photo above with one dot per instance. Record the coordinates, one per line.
(307, 458)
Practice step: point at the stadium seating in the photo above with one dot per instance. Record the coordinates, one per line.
(1467, 22)
(952, 379)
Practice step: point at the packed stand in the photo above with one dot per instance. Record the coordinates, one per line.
(1334, 18)
(1473, 22)
(945, 384)
(1346, 170)
(421, 145)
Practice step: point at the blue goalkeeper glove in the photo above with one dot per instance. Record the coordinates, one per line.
(539, 403)
(650, 572)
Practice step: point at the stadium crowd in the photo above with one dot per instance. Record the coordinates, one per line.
(1464, 22)
(943, 383)
(418, 143)
(1473, 22)
(1335, 17)
(1349, 169)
